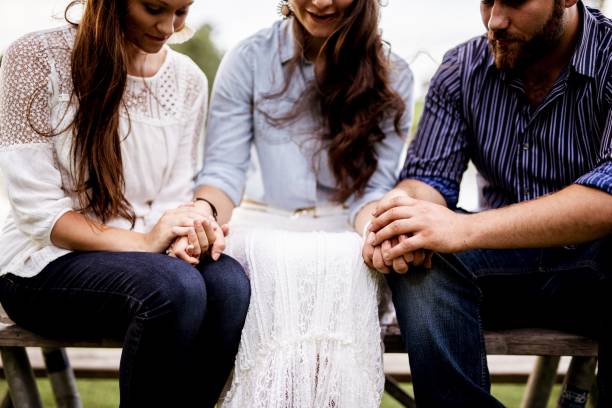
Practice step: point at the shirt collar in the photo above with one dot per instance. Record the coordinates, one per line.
(580, 61)
(287, 40)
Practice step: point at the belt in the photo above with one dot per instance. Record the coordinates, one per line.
(313, 212)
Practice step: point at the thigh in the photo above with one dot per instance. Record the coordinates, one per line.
(564, 288)
(94, 294)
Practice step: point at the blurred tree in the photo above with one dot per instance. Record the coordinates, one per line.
(203, 51)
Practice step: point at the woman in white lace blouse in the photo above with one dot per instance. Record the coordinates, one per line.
(99, 123)
(326, 106)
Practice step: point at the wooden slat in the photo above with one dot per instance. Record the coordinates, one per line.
(15, 336)
(536, 342)
(528, 342)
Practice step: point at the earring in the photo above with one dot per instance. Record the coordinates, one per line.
(284, 9)
(182, 35)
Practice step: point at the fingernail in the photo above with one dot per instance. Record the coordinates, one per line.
(371, 238)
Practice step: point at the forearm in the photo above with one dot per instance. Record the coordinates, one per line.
(573, 215)
(421, 191)
(220, 200)
(76, 232)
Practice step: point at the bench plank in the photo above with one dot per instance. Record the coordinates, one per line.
(12, 335)
(522, 342)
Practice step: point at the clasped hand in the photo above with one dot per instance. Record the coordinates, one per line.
(187, 233)
(405, 232)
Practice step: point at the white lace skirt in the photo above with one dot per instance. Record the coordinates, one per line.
(312, 334)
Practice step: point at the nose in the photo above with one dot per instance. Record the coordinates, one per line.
(321, 4)
(498, 17)
(165, 26)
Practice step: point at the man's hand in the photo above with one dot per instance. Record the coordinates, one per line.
(427, 226)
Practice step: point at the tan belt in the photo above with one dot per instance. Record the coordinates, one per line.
(314, 211)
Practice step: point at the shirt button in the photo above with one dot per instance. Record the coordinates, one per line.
(525, 146)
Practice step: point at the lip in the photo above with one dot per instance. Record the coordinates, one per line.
(323, 18)
(156, 39)
(504, 42)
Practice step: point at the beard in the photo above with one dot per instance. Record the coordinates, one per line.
(515, 53)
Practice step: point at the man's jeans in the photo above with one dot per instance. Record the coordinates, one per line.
(442, 312)
(180, 325)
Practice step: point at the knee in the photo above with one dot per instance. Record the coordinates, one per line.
(227, 278)
(175, 288)
(226, 282)
(424, 295)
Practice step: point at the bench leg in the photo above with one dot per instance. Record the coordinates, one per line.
(578, 382)
(393, 388)
(20, 378)
(62, 378)
(540, 383)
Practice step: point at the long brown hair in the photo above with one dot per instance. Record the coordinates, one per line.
(352, 93)
(99, 77)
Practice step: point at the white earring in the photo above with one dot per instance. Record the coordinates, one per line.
(183, 35)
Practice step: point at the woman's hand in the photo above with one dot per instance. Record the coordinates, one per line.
(174, 223)
(182, 249)
(207, 237)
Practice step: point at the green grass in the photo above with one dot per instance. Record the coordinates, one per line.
(94, 393)
(105, 394)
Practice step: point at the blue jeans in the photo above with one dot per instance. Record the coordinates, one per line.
(442, 312)
(180, 326)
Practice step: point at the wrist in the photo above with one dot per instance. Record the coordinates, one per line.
(366, 230)
(143, 243)
(468, 236)
(204, 203)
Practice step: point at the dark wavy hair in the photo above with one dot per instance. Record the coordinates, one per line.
(99, 76)
(352, 94)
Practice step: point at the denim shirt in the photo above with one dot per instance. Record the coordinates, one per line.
(293, 163)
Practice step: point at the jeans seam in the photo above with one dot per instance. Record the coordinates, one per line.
(483, 353)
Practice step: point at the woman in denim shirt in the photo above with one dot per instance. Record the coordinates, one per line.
(326, 107)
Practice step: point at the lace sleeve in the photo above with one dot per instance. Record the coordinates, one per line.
(24, 93)
(27, 159)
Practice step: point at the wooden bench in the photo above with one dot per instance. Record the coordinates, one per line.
(547, 344)
(20, 377)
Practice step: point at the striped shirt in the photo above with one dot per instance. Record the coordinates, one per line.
(473, 111)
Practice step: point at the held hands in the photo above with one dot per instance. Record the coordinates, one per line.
(405, 231)
(206, 237)
(192, 229)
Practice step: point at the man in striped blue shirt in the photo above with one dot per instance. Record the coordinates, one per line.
(530, 105)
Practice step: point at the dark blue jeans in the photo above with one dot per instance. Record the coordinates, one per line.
(442, 313)
(180, 326)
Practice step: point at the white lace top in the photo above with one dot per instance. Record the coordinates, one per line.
(160, 128)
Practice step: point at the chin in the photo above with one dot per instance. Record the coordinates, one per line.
(148, 47)
(318, 32)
